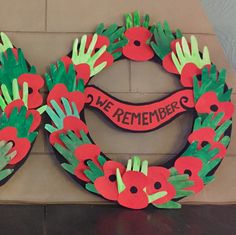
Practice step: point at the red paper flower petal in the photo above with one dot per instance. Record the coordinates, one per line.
(134, 196)
(191, 166)
(209, 102)
(158, 181)
(168, 64)
(60, 90)
(21, 145)
(35, 82)
(16, 103)
(36, 119)
(137, 48)
(69, 123)
(85, 153)
(107, 184)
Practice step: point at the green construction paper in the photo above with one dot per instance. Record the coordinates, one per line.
(120, 184)
(85, 138)
(221, 129)
(209, 167)
(94, 172)
(183, 193)
(169, 205)
(59, 75)
(135, 20)
(12, 68)
(90, 187)
(185, 55)
(156, 196)
(225, 141)
(144, 167)
(136, 163)
(101, 160)
(69, 168)
(6, 43)
(163, 37)
(5, 173)
(212, 81)
(86, 56)
(5, 158)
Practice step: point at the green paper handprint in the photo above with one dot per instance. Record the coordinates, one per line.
(87, 56)
(135, 20)
(6, 43)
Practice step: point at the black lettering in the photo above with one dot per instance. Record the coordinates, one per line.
(108, 106)
(162, 113)
(152, 115)
(169, 109)
(135, 116)
(126, 118)
(100, 102)
(145, 118)
(118, 113)
(175, 106)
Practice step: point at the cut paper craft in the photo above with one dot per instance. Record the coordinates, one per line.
(204, 93)
(20, 103)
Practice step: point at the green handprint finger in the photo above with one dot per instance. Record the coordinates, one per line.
(222, 76)
(176, 62)
(90, 187)
(75, 49)
(42, 109)
(221, 130)
(136, 19)
(75, 110)
(98, 68)
(194, 48)
(90, 175)
(2, 143)
(169, 205)
(66, 105)
(117, 55)
(144, 167)
(2, 103)
(25, 93)
(180, 53)
(185, 46)
(50, 128)
(156, 196)
(5, 149)
(58, 110)
(97, 55)
(6, 94)
(101, 160)
(119, 32)
(168, 30)
(178, 178)
(6, 159)
(15, 88)
(129, 165)
(209, 167)
(110, 30)
(217, 120)
(225, 141)
(117, 45)
(146, 20)
(80, 86)
(6, 41)
(206, 56)
(128, 21)
(184, 184)
(96, 170)
(178, 34)
(208, 179)
(67, 154)
(68, 142)
(69, 168)
(136, 163)
(56, 120)
(48, 81)
(213, 73)
(183, 193)
(100, 28)
(5, 173)
(85, 138)
(74, 138)
(92, 44)
(156, 49)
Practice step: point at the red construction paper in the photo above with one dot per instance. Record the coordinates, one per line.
(137, 48)
(21, 145)
(107, 184)
(158, 181)
(19, 103)
(139, 117)
(193, 166)
(69, 123)
(206, 136)
(101, 41)
(188, 72)
(209, 102)
(60, 90)
(134, 196)
(35, 82)
(85, 153)
(82, 70)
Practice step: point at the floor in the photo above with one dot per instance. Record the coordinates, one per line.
(112, 220)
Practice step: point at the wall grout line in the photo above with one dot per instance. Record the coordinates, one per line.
(44, 220)
(46, 15)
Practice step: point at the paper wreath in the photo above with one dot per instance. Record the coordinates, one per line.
(20, 103)
(204, 92)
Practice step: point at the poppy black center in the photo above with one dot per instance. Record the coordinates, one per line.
(30, 90)
(86, 161)
(204, 143)
(133, 189)
(214, 108)
(112, 178)
(188, 172)
(137, 43)
(157, 185)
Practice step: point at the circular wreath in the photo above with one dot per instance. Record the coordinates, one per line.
(137, 185)
(20, 103)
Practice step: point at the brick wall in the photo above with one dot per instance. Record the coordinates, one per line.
(45, 30)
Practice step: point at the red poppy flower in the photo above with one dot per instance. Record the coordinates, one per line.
(19, 103)
(101, 41)
(189, 71)
(84, 153)
(209, 102)
(69, 123)
(82, 70)
(35, 82)
(133, 196)
(21, 145)
(191, 166)
(206, 136)
(107, 185)
(60, 90)
(158, 181)
(137, 48)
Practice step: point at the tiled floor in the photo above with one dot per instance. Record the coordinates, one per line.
(112, 220)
